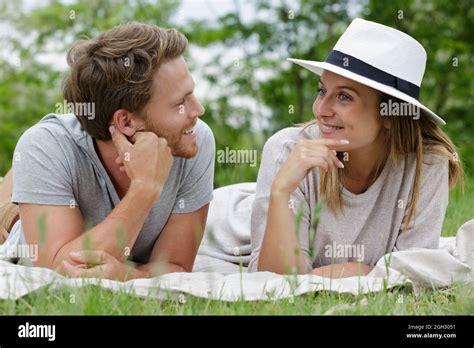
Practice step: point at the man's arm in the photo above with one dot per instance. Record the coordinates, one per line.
(148, 165)
(176, 248)
(64, 227)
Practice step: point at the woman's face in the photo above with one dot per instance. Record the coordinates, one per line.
(346, 109)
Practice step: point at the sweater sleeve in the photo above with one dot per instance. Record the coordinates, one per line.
(275, 152)
(424, 230)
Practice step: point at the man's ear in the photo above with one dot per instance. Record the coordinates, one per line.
(125, 122)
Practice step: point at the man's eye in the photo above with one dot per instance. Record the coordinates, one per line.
(182, 102)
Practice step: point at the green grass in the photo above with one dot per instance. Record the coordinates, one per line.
(93, 300)
(460, 208)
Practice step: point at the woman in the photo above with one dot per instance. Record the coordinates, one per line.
(374, 155)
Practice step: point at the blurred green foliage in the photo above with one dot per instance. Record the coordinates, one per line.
(246, 61)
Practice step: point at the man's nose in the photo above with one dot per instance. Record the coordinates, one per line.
(199, 109)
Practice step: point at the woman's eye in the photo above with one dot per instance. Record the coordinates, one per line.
(344, 97)
(321, 91)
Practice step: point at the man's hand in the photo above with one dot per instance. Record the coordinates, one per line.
(147, 160)
(97, 264)
(343, 270)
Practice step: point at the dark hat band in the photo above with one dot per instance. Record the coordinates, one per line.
(359, 67)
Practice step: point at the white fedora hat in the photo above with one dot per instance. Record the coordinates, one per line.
(380, 57)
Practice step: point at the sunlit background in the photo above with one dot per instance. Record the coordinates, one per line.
(237, 57)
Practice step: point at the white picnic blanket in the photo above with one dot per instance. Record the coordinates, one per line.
(219, 272)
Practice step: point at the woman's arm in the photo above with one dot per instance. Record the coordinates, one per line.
(280, 250)
(343, 270)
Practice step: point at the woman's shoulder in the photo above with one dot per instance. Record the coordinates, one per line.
(435, 167)
(430, 159)
(290, 136)
(436, 158)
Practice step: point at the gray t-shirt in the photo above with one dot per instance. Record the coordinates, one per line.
(55, 163)
(370, 225)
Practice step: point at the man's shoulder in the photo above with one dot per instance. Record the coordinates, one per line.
(50, 140)
(50, 129)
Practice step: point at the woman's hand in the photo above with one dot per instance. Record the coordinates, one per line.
(343, 270)
(307, 154)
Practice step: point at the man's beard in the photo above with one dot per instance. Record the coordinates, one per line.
(179, 147)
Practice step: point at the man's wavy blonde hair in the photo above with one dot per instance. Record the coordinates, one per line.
(404, 136)
(115, 70)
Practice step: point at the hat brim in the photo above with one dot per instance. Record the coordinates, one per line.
(319, 67)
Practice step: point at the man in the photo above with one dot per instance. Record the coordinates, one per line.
(129, 175)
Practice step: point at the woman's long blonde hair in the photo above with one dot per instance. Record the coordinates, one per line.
(405, 136)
